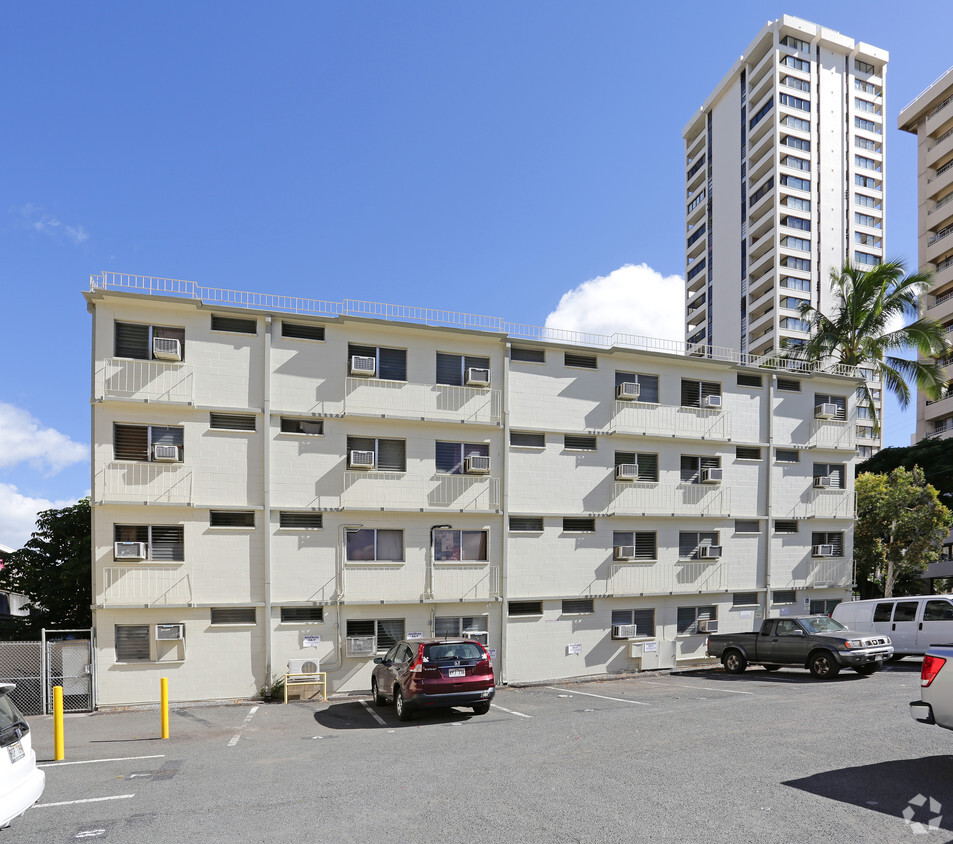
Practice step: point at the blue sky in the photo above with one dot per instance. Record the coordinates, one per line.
(486, 157)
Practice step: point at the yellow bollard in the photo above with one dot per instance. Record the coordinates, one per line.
(59, 753)
(165, 708)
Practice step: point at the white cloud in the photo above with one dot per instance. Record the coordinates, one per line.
(18, 514)
(35, 217)
(630, 300)
(24, 440)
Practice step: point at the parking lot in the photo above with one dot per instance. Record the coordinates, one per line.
(696, 755)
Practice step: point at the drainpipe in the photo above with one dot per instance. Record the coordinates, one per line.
(505, 502)
(266, 491)
(768, 503)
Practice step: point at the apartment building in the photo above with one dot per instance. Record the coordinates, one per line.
(784, 177)
(930, 118)
(276, 479)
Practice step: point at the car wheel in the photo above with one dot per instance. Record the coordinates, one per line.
(379, 699)
(823, 665)
(867, 670)
(481, 708)
(403, 710)
(734, 662)
(771, 667)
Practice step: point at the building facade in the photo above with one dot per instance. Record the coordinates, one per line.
(930, 118)
(278, 479)
(784, 176)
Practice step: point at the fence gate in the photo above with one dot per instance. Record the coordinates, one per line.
(36, 667)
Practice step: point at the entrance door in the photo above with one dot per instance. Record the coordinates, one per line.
(69, 664)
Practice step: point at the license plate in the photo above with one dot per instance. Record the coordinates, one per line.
(16, 751)
(457, 672)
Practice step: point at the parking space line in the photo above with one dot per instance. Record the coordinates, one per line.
(374, 715)
(87, 800)
(604, 697)
(234, 739)
(90, 761)
(706, 688)
(509, 711)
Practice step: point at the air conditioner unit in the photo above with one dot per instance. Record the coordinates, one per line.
(165, 453)
(827, 410)
(365, 367)
(477, 464)
(712, 401)
(361, 645)
(627, 472)
(624, 631)
(712, 476)
(312, 665)
(361, 460)
(823, 482)
(709, 552)
(623, 552)
(477, 377)
(170, 632)
(706, 625)
(166, 348)
(822, 551)
(627, 391)
(129, 550)
(481, 636)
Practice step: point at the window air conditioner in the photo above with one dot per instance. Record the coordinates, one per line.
(361, 460)
(170, 632)
(706, 625)
(129, 550)
(365, 367)
(624, 631)
(361, 645)
(712, 476)
(627, 391)
(713, 401)
(165, 453)
(709, 552)
(477, 377)
(823, 482)
(627, 472)
(312, 665)
(477, 464)
(481, 636)
(166, 348)
(827, 410)
(623, 552)
(822, 551)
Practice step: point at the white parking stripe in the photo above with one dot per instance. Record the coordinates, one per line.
(234, 739)
(87, 800)
(509, 711)
(374, 715)
(706, 688)
(604, 697)
(90, 761)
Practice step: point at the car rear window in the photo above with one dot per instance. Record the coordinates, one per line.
(453, 651)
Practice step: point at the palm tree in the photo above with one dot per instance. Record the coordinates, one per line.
(857, 331)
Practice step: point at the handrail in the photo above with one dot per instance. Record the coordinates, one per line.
(926, 91)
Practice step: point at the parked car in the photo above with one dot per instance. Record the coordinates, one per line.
(913, 624)
(936, 689)
(433, 673)
(815, 642)
(21, 782)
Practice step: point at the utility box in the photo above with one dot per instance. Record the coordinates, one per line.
(652, 654)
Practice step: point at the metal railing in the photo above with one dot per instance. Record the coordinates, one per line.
(433, 401)
(926, 91)
(644, 418)
(146, 585)
(660, 578)
(144, 380)
(643, 498)
(946, 200)
(151, 483)
(371, 490)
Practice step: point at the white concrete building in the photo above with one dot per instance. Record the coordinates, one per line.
(267, 468)
(784, 175)
(930, 118)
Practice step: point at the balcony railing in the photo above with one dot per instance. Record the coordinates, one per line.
(465, 582)
(640, 498)
(830, 572)
(395, 491)
(825, 504)
(145, 483)
(144, 380)
(691, 422)
(833, 433)
(413, 401)
(662, 578)
(149, 586)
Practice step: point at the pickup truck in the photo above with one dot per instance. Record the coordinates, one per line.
(815, 642)
(936, 688)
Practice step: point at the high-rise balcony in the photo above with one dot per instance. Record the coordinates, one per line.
(637, 498)
(439, 402)
(143, 380)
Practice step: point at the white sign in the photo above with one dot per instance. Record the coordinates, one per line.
(573, 649)
(492, 652)
(415, 635)
(311, 641)
(650, 647)
(747, 613)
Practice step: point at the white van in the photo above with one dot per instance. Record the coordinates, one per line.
(913, 623)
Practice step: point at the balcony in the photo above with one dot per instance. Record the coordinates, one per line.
(377, 582)
(824, 504)
(473, 582)
(143, 380)
(653, 499)
(831, 571)
(144, 483)
(669, 421)
(146, 586)
(661, 579)
(396, 491)
(438, 402)
(833, 433)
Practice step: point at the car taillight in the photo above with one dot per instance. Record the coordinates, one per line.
(931, 667)
(482, 667)
(418, 664)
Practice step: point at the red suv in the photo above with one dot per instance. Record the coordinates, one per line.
(434, 673)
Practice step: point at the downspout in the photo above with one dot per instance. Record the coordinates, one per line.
(505, 496)
(266, 491)
(92, 504)
(768, 503)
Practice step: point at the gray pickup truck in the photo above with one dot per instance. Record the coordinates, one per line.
(815, 642)
(936, 688)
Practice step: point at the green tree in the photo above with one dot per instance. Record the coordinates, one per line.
(933, 455)
(858, 332)
(54, 570)
(900, 528)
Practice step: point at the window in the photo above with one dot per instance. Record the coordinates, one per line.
(578, 606)
(527, 440)
(865, 219)
(747, 452)
(453, 369)
(863, 161)
(796, 63)
(794, 263)
(233, 615)
(577, 525)
(797, 203)
(863, 67)
(865, 182)
(690, 541)
(797, 84)
(839, 401)
(939, 610)
(865, 105)
(231, 518)
(797, 223)
(865, 451)
(832, 538)
(865, 258)
(791, 302)
(648, 384)
(794, 102)
(389, 455)
(692, 466)
(744, 599)
(234, 325)
(387, 632)
(784, 596)
(646, 462)
(314, 427)
(518, 353)
(760, 192)
(785, 526)
(696, 393)
(796, 143)
(795, 43)
(164, 543)
(300, 521)
(761, 113)
(644, 620)
(466, 626)
(581, 361)
(300, 615)
(302, 331)
(450, 458)
(132, 642)
(526, 524)
(747, 380)
(644, 543)
(579, 443)
(783, 455)
(867, 125)
(795, 182)
(800, 243)
(514, 608)
(834, 471)
(459, 545)
(824, 606)
(366, 545)
(389, 364)
(137, 442)
(796, 163)
(789, 385)
(231, 421)
(149, 342)
(866, 143)
(792, 283)
(797, 123)
(688, 617)
(794, 324)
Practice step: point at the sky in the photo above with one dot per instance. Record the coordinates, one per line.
(517, 159)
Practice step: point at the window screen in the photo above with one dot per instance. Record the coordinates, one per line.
(832, 538)
(232, 518)
(647, 463)
(290, 615)
(579, 443)
(644, 620)
(232, 421)
(690, 541)
(527, 440)
(648, 384)
(132, 341)
(233, 615)
(784, 596)
(643, 542)
(235, 325)
(524, 608)
(576, 525)
(744, 599)
(840, 402)
(785, 526)
(302, 331)
(301, 521)
(578, 606)
(452, 369)
(694, 393)
(790, 385)
(132, 642)
(528, 524)
(783, 455)
(688, 617)
(581, 361)
(747, 526)
(744, 452)
(527, 355)
(449, 458)
(746, 380)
